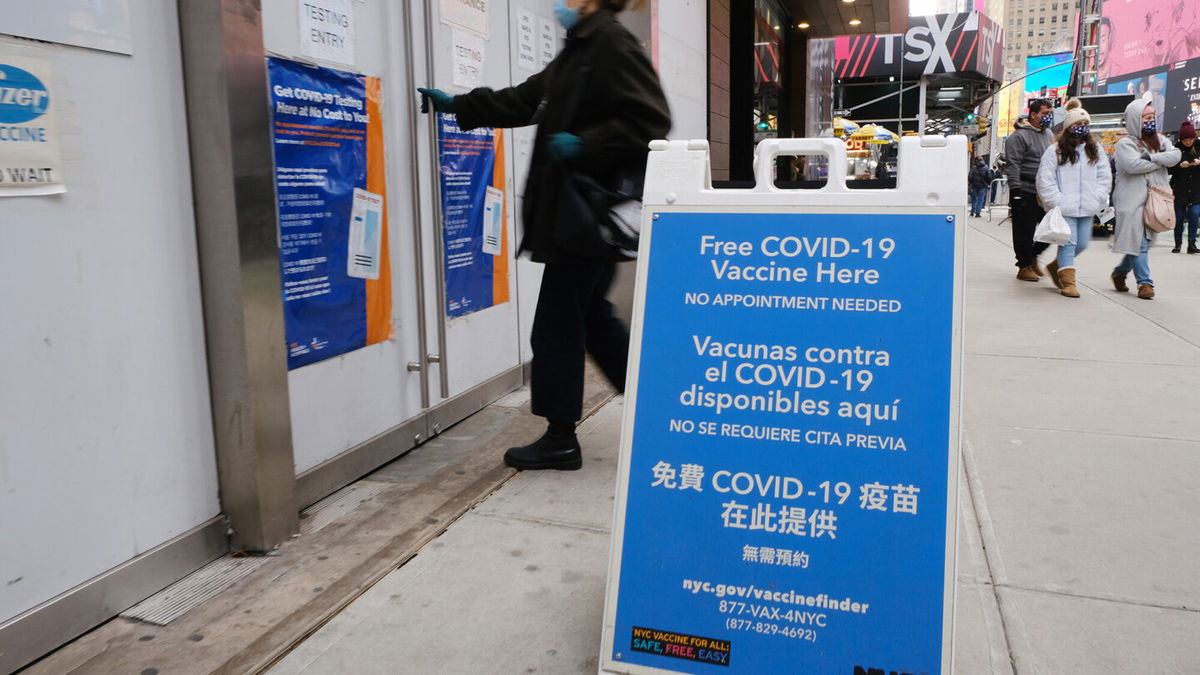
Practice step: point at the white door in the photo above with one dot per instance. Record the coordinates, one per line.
(340, 403)
(474, 312)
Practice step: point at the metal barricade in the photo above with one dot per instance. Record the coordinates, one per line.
(998, 198)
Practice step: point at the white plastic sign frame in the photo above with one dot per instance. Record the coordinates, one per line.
(931, 187)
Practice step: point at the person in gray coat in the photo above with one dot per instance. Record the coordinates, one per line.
(1142, 160)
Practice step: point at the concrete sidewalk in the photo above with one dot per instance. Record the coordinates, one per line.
(1079, 544)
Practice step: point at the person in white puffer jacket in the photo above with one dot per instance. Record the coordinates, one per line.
(1075, 177)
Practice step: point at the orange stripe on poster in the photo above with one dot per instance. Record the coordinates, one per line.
(500, 262)
(379, 291)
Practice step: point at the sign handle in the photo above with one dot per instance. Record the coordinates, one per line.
(834, 149)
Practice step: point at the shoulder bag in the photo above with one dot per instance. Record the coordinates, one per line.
(1159, 211)
(594, 221)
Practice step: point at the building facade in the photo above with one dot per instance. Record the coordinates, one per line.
(1035, 27)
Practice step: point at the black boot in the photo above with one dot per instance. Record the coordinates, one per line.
(1192, 247)
(558, 448)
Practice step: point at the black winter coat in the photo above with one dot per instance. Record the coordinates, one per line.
(979, 177)
(621, 110)
(1185, 183)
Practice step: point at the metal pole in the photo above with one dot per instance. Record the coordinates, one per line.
(921, 106)
(993, 133)
(414, 144)
(438, 239)
(233, 179)
(881, 98)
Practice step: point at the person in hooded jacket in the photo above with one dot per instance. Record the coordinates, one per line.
(1075, 177)
(1023, 150)
(1142, 159)
(977, 183)
(619, 108)
(1185, 183)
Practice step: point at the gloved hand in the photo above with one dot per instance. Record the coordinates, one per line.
(442, 102)
(564, 146)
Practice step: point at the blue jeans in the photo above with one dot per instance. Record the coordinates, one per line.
(1081, 236)
(1140, 264)
(1193, 220)
(978, 197)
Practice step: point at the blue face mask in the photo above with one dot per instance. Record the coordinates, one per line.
(566, 16)
(1046, 119)
(1150, 127)
(1081, 131)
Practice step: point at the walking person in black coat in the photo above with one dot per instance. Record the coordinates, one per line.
(977, 183)
(620, 109)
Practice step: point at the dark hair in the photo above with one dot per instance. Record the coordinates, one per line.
(1037, 104)
(1068, 146)
(618, 6)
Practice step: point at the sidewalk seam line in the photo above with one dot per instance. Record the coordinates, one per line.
(1112, 434)
(543, 521)
(1098, 598)
(1071, 360)
(1109, 297)
(991, 552)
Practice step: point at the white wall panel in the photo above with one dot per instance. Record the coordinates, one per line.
(683, 65)
(106, 444)
(83, 23)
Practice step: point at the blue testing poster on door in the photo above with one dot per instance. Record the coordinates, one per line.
(327, 132)
(474, 239)
(786, 508)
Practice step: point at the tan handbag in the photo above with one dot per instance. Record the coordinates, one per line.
(1159, 213)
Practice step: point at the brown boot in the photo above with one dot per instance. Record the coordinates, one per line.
(1052, 269)
(1068, 281)
(1119, 282)
(1037, 268)
(1027, 273)
(1145, 291)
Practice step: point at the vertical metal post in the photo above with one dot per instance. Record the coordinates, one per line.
(921, 106)
(414, 144)
(438, 238)
(229, 128)
(993, 120)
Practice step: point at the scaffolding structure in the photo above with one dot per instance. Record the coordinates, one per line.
(1087, 49)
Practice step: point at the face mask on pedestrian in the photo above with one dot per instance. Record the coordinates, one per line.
(566, 16)
(1149, 127)
(1080, 130)
(1045, 119)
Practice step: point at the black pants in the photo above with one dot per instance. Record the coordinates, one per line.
(574, 318)
(1026, 214)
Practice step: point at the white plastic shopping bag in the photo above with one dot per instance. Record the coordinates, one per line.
(1053, 229)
